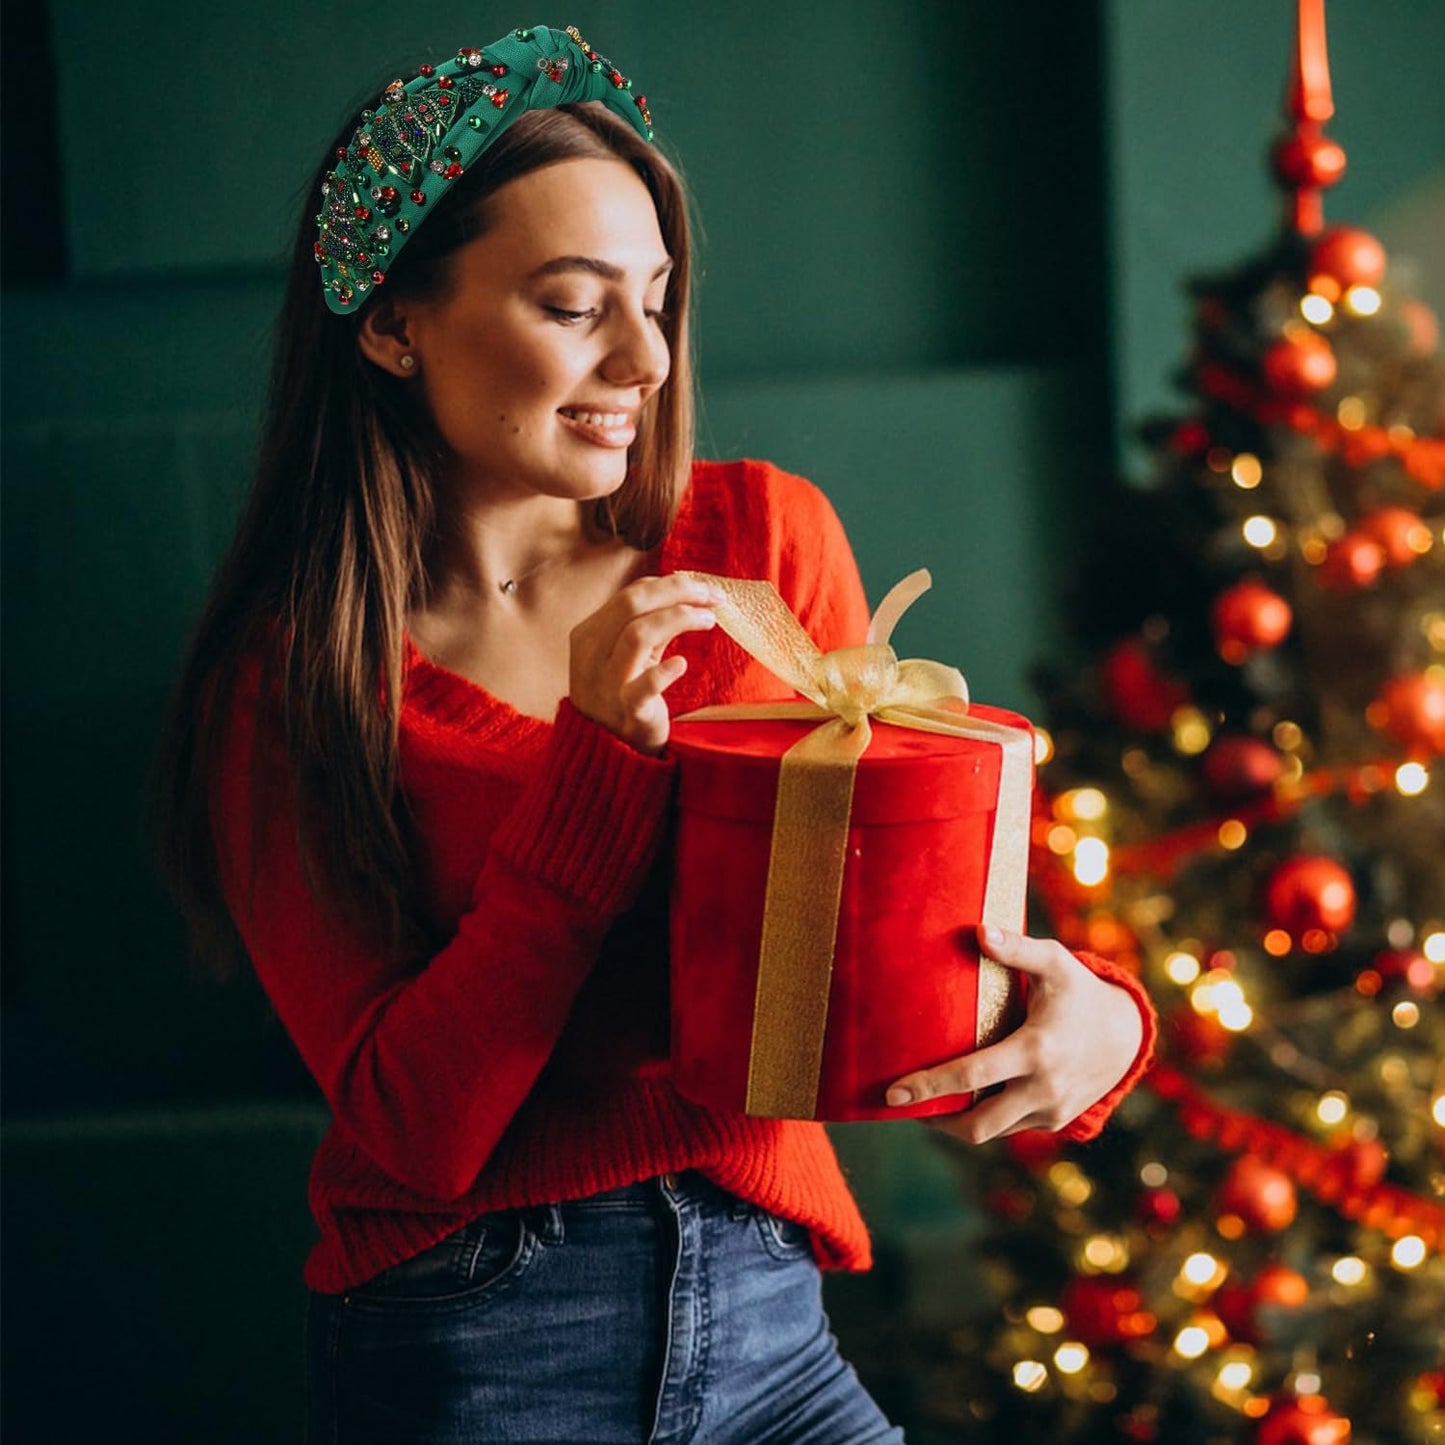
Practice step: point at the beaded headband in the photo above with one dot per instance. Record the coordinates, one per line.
(424, 133)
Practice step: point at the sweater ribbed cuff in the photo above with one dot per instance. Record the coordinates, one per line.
(590, 822)
(1092, 1120)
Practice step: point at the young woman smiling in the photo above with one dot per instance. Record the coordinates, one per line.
(417, 773)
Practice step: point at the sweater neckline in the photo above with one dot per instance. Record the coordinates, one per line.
(460, 704)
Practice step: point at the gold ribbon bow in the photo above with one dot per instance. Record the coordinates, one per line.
(845, 689)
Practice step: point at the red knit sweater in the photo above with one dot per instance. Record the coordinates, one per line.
(526, 1060)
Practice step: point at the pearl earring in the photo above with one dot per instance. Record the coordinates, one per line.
(406, 362)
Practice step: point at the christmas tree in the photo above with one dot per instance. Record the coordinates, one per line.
(1242, 796)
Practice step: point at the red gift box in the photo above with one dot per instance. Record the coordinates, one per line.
(903, 991)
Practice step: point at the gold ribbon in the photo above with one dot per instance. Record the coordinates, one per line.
(845, 689)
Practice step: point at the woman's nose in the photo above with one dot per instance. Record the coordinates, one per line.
(639, 355)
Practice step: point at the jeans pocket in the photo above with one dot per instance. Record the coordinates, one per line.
(476, 1263)
(784, 1239)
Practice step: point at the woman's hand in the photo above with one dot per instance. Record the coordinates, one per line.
(1080, 1037)
(618, 672)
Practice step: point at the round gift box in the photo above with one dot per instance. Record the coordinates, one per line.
(904, 991)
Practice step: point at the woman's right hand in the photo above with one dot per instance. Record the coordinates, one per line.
(618, 671)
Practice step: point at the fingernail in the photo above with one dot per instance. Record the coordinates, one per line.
(993, 936)
(899, 1095)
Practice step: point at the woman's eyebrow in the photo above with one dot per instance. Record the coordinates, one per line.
(593, 264)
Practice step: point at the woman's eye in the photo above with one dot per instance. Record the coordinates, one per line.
(569, 318)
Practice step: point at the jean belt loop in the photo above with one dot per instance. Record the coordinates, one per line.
(546, 1220)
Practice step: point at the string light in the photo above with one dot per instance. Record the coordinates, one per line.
(1191, 1342)
(1071, 1357)
(1030, 1375)
(1061, 839)
(1232, 834)
(1316, 309)
(1437, 1109)
(1408, 1252)
(1182, 967)
(1045, 1319)
(1235, 1374)
(1349, 1270)
(1351, 413)
(1088, 805)
(1433, 946)
(1405, 1014)
(1154, 1174)
(1043, 747)
(1201, 1271)
(1259, 531)
(1362, 300)
(1091, 861)
(1411, 779)
(1246, 471)
(1191, 730)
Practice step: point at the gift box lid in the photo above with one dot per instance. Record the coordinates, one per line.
(730, 769)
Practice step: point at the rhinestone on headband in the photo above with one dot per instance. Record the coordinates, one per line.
(425, 132)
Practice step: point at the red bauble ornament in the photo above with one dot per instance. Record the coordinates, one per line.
(1239, 768)
(1411, 709)
(1197, 1039)
(1307, 1420)
(1299, 365)
(1159, 1207)
(1422, 326)
(1308, 160)
(1262, 1196)
(1275, 1287)
(1249, 617)
(1105, 1310)
(1396, 531)
(1408, 964)
(1349, 256)
(1139, 693)
(1310, 892)
(1352, 562)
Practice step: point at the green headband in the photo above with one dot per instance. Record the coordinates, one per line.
(425, 133)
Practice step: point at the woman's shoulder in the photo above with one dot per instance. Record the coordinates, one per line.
(748, 484)
(748, 518)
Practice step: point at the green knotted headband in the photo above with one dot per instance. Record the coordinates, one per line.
(425, 132)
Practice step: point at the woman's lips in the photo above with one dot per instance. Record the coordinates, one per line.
(600, 428)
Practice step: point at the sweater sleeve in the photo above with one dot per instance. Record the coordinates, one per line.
(1093, 1119)
(424, 1060)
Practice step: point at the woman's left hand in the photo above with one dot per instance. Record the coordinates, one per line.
(1079, 1038)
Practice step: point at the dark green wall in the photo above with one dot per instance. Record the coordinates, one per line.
(908, 287)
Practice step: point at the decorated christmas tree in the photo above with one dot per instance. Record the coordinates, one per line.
(1243, 796)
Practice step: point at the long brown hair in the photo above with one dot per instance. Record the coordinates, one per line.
(328, 555)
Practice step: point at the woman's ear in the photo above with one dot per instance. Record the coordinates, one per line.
(384, 337)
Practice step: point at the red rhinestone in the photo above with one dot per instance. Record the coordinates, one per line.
(362, 214)
(500, 99)
(445, 82)
(419, 197)
(316, 248)
(498, 70)
(378, 277)
(362, 259)
(616, 78)
(428, 69)
(642, 102)
(444, 100)
(452, 171)
(341, 153)
(388, 193)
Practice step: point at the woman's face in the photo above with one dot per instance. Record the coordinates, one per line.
(539, 359)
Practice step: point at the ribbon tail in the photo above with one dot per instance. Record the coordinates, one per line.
(800, 919)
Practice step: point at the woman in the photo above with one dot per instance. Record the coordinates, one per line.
(421, 780)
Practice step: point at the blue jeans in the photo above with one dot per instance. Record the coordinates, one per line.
(666, 1311)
